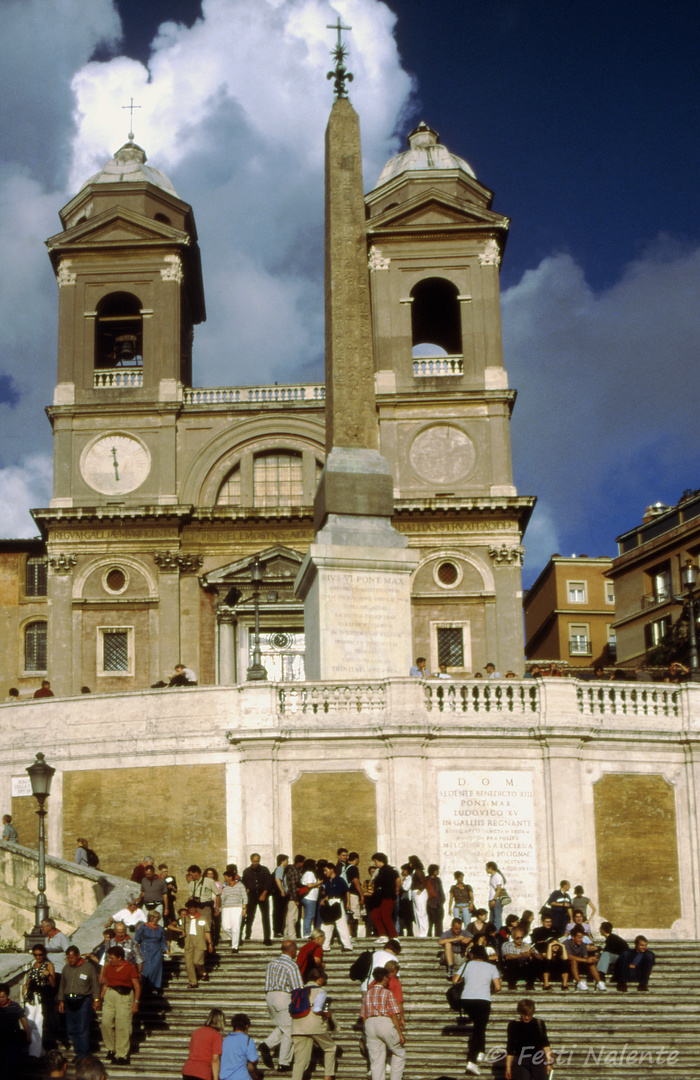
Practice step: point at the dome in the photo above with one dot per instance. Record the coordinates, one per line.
(425, 154)
(129, 165)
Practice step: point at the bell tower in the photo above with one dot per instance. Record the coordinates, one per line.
(128, 270)
(434, 248)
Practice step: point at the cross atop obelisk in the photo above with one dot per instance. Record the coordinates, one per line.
(340, 73)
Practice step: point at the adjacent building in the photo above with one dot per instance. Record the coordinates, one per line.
(647, 575)
(570, 613)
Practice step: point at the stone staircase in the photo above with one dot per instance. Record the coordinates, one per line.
(596, 1035)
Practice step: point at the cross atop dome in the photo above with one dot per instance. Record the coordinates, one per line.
(131, 108)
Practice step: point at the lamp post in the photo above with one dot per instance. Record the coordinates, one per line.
(40, 776)
(257, 671)
(689, 577)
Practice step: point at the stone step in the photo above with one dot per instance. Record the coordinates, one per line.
(598, 1034)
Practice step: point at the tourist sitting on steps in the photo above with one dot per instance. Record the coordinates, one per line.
(612, 949)
(635, 965)
(582, 958)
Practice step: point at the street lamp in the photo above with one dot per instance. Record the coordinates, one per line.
(257, 671)
(40, 776)
(689, 577)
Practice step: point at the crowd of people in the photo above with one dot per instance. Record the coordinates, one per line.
(317, 901)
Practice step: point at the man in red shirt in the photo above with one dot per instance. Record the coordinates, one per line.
(119, 1000)
(382, 1027)
(44, 690)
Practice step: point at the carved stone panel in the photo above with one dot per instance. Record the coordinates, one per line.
(345, 815)
(637, 851)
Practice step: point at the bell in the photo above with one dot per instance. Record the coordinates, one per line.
(125, 345)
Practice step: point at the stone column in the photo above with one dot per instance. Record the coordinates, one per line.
(227, 667)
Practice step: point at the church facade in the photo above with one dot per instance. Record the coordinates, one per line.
(165, 494)
(168, 499)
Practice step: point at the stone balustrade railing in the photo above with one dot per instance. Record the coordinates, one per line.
(117, 378)
(438, 366)
(482, 697)
(234, 395)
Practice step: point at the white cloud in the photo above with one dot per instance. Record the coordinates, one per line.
(607, 407)
(234, 110)
(22, 486)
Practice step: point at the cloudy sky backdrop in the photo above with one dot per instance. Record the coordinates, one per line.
(582, 116)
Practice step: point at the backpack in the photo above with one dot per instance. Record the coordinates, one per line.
(360, 969)
(92, 857)
(300, 1005)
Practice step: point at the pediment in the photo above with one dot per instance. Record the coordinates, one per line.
(437, 209)
(117, 225)
(280, 567)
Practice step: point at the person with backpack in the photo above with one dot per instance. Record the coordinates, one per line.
(311, 1020)
(528, 1053)
(282, 978)
(84, 855)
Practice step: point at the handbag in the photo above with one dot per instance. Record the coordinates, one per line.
(504, 898)
(330, 913)
(454, 995)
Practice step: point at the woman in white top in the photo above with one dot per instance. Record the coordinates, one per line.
(496, 884)
(479, 981)
(309, 900)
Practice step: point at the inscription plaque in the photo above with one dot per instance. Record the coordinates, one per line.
(488, 816)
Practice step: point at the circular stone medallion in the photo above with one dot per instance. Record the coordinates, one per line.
(442, 454)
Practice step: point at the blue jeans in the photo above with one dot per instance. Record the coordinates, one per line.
(309, 907)
(496, 914)
(461, 911)
(78, 1026)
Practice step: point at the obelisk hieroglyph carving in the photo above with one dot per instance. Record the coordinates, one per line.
(355, 580)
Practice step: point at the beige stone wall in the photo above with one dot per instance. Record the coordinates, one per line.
(333, 809)
(177, 814)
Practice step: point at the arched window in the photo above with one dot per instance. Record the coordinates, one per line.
(119, 332)
(230, 490)
(436, 319)
(277, 479)
(35, 646)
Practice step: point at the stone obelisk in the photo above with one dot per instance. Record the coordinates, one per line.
(355, 580)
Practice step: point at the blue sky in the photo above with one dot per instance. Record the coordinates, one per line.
(581, 116)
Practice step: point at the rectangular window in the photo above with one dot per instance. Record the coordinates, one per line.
(661, 583)
(655, 632)
(609, 592)
(579, 639)
(612, 641)
(115, 650)
(36, 583)
(35, 647)
(577, 592)
(450, 646)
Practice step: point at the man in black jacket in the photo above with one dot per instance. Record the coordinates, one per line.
(612, 949)
(258, 882)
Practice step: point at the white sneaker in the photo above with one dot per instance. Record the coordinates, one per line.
(480, 1057)
(473, 1069)
(581, 985)
(600, 986)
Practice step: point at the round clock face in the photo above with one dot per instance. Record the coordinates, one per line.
(116, 464)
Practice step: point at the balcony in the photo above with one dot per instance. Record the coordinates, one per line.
(117, 378)
(433, 366)
(252, 395)
(661, 596)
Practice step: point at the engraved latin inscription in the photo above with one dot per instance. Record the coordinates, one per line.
(364, 618)
(489, 816)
